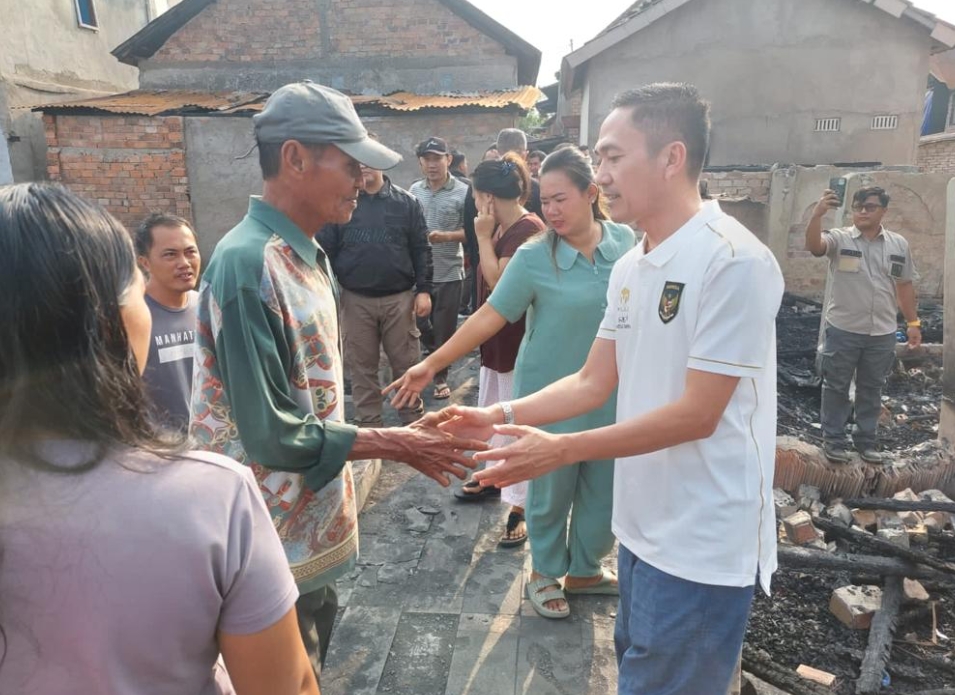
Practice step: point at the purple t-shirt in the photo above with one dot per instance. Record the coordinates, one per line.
(116, 580)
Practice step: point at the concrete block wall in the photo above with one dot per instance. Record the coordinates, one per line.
(131, 165)
(739, 184)
(937, 153)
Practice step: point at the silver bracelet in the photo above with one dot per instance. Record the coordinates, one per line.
(508, 412)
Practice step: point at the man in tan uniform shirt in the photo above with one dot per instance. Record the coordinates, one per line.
(870, 276)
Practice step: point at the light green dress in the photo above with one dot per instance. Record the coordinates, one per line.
(564, 296)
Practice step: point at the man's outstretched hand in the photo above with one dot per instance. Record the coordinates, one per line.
(531, 455)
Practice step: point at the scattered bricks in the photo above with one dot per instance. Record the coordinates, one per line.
(894, 535)
(840, 513)
(865, 518)
(911, 519)
(888, 520)
(906, 495)
(823, 678)
(941, 519)
(913, 591)
(855, 605)
(917, 534)
(807, 495)
(799, 528)
(784, 502)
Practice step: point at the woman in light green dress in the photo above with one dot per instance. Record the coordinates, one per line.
(560, 281)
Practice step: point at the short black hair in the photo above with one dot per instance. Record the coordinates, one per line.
(864, 193)
(144, 232)
(457, 158)
(270, 156)
(537, 153)
(669, 111)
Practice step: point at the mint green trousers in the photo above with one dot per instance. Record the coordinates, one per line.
(585, 492)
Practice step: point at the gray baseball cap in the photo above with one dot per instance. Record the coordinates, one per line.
(315, 114)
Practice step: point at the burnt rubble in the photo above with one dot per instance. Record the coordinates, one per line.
(910, 399)
(854, 606)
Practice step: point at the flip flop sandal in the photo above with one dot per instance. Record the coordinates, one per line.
(607, 586)
(538, 597)
(472, 491)
(514, 519)
(442, 392)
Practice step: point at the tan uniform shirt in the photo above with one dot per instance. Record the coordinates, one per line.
(862, 277)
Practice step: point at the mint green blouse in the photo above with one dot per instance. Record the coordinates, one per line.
(565, 296)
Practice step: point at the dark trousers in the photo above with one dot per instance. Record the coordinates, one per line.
(437, 328)
(869, 358)
(316, 612)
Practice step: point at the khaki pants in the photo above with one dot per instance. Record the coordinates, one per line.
(368, 324)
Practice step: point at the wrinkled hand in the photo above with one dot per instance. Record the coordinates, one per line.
(533, 454)
(484, 223)
(410, 385)
(477, 423)
(422, 304)
(436, 453)
(915, 336)
(829, 201)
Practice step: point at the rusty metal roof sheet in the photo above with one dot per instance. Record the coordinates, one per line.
(155, 103)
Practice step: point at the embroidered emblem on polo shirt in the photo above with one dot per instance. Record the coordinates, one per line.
(623, 309)
(670, 301)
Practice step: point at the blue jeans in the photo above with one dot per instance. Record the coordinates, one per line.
(673, 636)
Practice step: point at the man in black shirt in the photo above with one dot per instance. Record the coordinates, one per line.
(382, 260)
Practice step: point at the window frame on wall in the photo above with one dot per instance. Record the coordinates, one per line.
(89, 14)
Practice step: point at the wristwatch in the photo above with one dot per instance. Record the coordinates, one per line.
(508, 412)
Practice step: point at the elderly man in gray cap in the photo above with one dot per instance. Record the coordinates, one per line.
(268, 384)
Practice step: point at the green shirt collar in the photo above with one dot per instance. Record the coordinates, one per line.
(279, 223)
(609, 247)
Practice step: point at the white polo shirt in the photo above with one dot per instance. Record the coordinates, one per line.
(704, 299)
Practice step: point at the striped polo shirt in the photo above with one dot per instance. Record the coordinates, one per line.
(444, 212)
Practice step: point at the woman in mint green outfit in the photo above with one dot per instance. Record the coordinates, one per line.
(560, 281)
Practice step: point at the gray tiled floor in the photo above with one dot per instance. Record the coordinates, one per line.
(436, 608)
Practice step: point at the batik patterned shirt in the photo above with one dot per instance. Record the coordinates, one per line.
(267, 387)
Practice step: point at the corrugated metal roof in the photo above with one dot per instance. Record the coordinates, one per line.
(155, 103)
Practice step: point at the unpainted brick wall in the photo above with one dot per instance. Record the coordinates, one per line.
(250, 31)
(740, 184)
(132, 165)
(937, 154)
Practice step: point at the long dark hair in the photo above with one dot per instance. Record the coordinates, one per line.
(66, 367)
(507, 178)
(575, 166)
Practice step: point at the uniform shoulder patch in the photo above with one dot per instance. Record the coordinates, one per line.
(670, 301)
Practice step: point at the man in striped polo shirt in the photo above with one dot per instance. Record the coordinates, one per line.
(442, 197)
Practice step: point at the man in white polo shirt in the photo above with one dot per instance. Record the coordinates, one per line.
(689, 337)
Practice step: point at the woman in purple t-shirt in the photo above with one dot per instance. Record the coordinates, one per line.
(126, 565)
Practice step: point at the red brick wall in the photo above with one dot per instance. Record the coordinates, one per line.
(131, 165)
(282, 30)
(937, 153)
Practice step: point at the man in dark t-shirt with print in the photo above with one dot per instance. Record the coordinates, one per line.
(169, 255)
